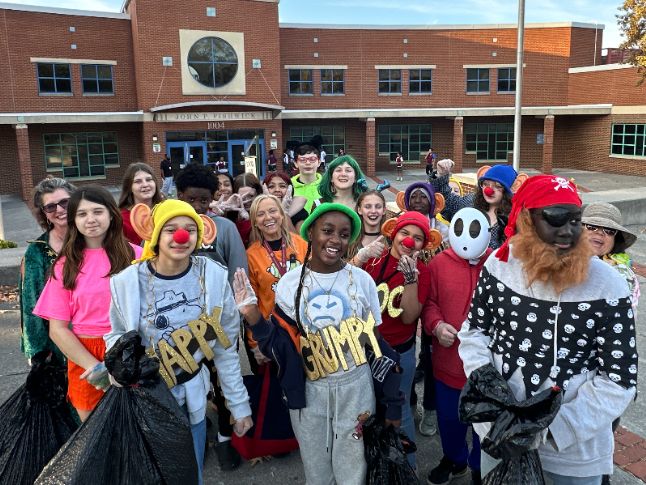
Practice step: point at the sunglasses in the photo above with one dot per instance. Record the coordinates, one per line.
(558, 216)
(49, 208)
(607, 231)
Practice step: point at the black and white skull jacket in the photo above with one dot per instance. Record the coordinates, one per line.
(582, 340)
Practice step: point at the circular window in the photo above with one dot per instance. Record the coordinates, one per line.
(212, 62)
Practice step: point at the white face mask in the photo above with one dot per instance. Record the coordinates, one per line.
(469, 233)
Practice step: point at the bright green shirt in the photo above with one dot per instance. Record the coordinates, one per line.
(309, 191)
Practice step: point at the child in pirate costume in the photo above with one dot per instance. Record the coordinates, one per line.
(403, 284)
(325, 317)
(183, 308)
(546, 313)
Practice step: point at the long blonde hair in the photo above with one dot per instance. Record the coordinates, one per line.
(256, 234)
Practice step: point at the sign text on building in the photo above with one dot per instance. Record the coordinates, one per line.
(215, 116)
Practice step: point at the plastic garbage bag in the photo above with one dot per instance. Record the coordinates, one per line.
(516, 429)
(385, 451)
(35, 421)
(136, 435)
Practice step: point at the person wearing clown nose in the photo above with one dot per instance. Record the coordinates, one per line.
(453, 276)
(402, 284)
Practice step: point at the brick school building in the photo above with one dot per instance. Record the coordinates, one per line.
(83, 94)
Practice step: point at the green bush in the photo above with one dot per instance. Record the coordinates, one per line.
(7, 244)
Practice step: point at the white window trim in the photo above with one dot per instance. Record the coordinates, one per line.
(313, 66)
(406, 66)
(489, 66)
(71, 61)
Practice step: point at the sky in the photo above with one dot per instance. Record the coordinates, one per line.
(415, 12)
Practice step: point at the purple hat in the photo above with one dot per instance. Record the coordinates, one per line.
(426, 188)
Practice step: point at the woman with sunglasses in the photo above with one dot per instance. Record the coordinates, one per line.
(492, 196)
(50, 210)
(610, 240)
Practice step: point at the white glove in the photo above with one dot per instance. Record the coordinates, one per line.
(408, 267)
(242, 290)
(372, 250)
(444, 167)
(288, 199)
(219, 206)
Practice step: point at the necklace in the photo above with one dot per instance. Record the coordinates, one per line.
(378, 233)
(281, 265)
(329, 290)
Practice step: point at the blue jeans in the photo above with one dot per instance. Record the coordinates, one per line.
(407, 363)
(453, 432)
(565, 480)
(199, 444)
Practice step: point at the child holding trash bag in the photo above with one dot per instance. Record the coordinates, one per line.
(76, 299)
(326, 312)
(183, 308)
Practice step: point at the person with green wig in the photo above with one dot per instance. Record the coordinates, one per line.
(323, 334)
(343, 182)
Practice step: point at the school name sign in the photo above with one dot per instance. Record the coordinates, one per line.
(215, 116)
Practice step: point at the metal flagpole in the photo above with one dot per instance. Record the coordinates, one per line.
(519, 83)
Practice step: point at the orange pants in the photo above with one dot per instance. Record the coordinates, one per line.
(80, 393)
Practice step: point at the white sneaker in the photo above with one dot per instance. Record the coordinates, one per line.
(428, 424)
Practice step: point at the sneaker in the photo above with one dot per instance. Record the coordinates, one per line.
(228, 457)
(445, 472)
(476, 479)
(428, 424)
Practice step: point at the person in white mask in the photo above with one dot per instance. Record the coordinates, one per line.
(454, 273)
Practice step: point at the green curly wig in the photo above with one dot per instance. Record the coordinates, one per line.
(325, 186)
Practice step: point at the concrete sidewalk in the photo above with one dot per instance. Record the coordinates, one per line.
(627, 192)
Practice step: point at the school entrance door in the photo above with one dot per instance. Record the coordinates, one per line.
(183, 152)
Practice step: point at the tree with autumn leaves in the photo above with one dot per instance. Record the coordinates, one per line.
(632, 23)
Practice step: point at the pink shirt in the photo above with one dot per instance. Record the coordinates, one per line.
(87, 306)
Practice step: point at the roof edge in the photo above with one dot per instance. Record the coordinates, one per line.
(537, 25)
(63, 11)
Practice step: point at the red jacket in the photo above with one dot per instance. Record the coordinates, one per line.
(453, 280)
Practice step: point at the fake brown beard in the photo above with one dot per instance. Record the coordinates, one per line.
(543, 262)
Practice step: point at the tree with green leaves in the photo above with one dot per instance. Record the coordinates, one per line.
(632, 23)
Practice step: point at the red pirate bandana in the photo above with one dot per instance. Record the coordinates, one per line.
(537, 191)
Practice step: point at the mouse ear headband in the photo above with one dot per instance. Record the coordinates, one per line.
(392, 226)
(515, 185)
(148, 223)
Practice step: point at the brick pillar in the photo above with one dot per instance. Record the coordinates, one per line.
(24, 161)
(458, 143)
(370, 147)
(548, 144)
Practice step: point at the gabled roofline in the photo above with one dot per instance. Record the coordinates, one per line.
(64, 11)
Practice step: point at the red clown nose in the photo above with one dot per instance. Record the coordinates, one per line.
(408, 242)
(488, 191)
(181, 236)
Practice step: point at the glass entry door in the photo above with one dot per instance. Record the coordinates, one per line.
(238, 149)
(183, 152)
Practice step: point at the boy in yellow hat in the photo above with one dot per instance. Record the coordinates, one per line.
(183, 307)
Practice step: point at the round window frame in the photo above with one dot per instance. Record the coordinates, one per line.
(213, 64)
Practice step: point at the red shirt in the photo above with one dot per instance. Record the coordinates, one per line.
(390, 285)
(128, 230)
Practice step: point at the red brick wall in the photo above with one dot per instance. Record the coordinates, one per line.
(34, 34)
(616, 86)
(10, 180)
(582, 47)
(546, 50)
(584, 143)
(156, 34)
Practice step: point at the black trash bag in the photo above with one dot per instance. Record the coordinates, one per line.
(136, 435)
(516, 426)
(35, 421)
(385, 451)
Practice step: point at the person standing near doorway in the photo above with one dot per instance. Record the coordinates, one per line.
(430, 162)
(167, 176)
(221, 165)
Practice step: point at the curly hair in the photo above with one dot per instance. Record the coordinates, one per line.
(502, 212)
(127, 200)
(325, 185)
(48, 186)
(196, 175)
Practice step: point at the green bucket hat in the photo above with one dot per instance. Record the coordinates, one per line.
(332, 207)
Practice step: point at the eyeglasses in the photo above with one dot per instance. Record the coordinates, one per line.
(311, 158)
(606, 230)
(558, 216)
(49, 208)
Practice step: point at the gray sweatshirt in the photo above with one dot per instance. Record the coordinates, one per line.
(582, 340)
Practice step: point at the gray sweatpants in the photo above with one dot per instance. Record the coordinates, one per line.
(324, 428)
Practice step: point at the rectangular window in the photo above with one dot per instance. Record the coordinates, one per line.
(332, 81)
(54, 78)
(300, 81)
(507, 80)
(489, 141)
(420, 81)
(410, 140)
(628, 139)
(97, 79)
(477, 80)
(80, 154)
(390, 81)
(333, 137)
